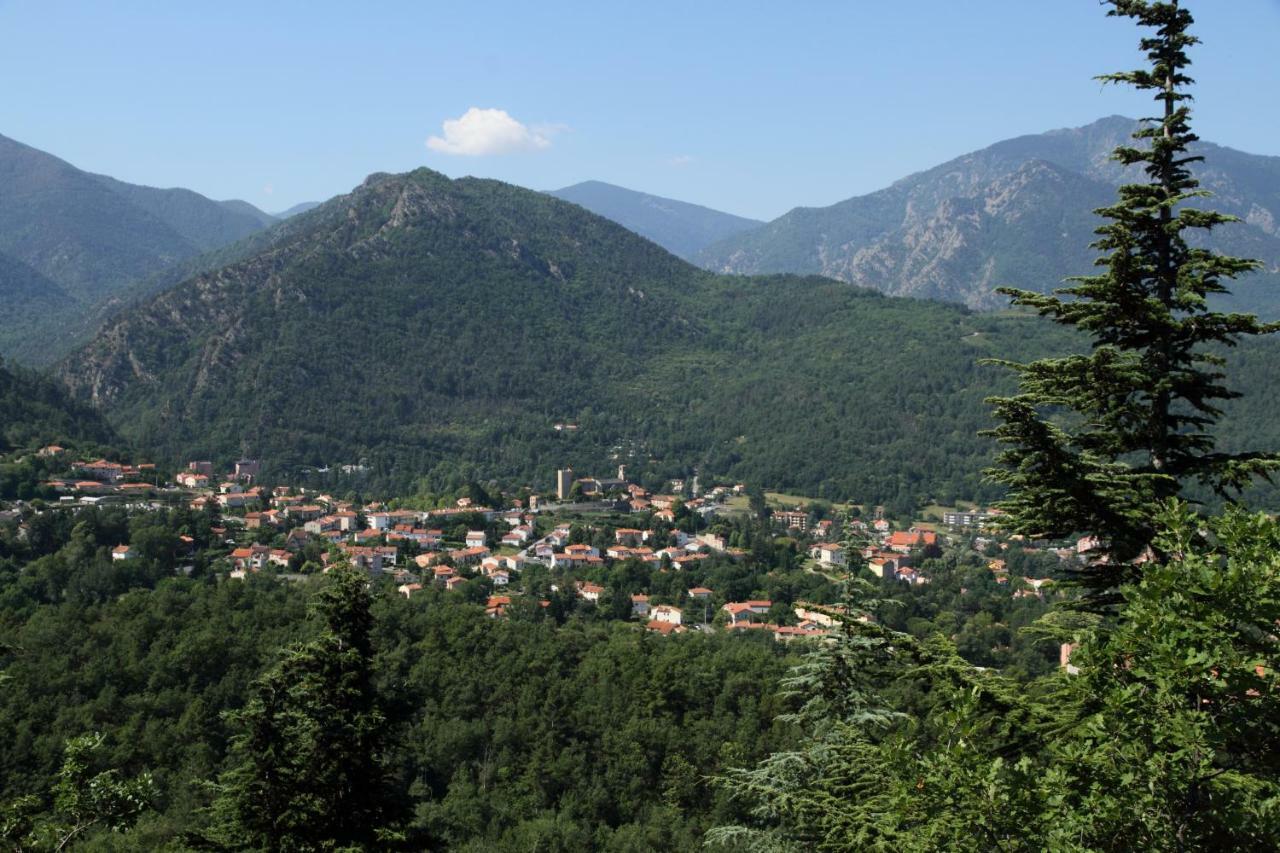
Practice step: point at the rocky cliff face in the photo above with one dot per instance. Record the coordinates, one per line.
(1017, 213)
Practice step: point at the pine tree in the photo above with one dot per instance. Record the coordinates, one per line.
(1094, 443)
(311, 769)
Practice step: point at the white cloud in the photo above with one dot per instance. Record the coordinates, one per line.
(268, 189)
(681, 160)
(479, 132)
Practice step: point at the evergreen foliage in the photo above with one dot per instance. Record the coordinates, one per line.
(309, 767)
(1165, 740)
(1095, 442)
(35, 411)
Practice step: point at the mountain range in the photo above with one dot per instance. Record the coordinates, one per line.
(438, 328)
(434, 331)
(71, 241)
(681, 228)
(1016, 213)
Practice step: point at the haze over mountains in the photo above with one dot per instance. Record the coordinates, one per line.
(70, 241)
(681, 228)
(1016, 213)
(301, 207)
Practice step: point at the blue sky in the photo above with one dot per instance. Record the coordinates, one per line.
(749, 107)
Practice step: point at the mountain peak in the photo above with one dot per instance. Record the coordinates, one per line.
(1023, 205)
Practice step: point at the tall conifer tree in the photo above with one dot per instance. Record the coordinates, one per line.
(1095, 442)
(309, 771)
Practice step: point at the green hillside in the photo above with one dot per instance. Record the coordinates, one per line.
(35, 411)
(89, 237)
(436, 329)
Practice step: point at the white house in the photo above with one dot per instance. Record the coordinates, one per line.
(828, 554)
(666, 613)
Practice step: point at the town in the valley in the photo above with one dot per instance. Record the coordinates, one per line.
(670, 561)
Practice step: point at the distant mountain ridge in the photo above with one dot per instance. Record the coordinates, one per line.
(683, 229)
(1015, 213)
(91, 236)
(300, 207)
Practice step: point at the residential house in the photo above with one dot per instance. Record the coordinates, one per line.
(789, 633)
(589, 591)
(253, 558)
(827, 617)
(882, 565)
(192, 479)
(829, 554)
(746, 611)
(792, 519)
(468, 556)
(302, 513)
(102, 470)
(630, 536)
(906, 541)
(714, 541)
(667, 613)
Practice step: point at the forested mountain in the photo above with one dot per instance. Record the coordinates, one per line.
(679, 227)
(440, 328)
(88, 237)
(28, 298)
(35, 411)
(1016, 213)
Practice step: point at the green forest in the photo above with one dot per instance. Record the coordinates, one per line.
(1092, 667)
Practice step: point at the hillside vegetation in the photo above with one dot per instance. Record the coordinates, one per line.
(438, 330)
(88, 237)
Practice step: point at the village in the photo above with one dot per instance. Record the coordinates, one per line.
(671, 562)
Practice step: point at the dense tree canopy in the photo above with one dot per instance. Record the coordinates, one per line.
(1094, 443)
